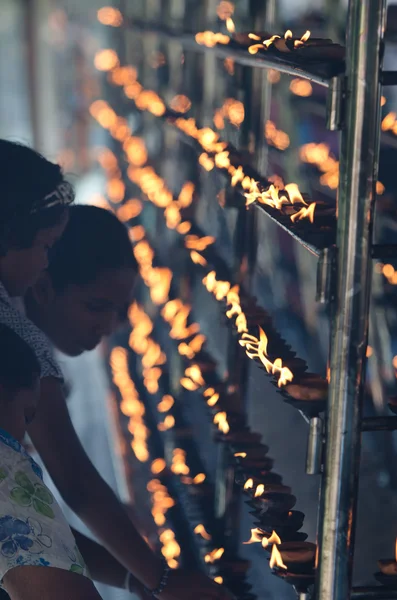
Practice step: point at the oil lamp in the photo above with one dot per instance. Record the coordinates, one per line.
(388, 570)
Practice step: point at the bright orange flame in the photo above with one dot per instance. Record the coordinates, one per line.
(200, 478)
(129, 210)
(108, 15)
(257, 348)
(211, 39)
(105, 60)
(275, 137)
(301, 87)
(168, 423)
(158, 465)
(214, 555)
(180, 103)
(220, 419)
(273, 539)
(179, 466)
(240, 454)
(225, 10)
(218, 579)
(259, 490)
(166, 403)
(276, 559)
(130, 403)
(230, 25)
(249, 484)
(256, 536)
(200, 530)
(193, 379)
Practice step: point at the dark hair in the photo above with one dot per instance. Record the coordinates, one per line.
(26, 179)
(94, 240)
(19, 367)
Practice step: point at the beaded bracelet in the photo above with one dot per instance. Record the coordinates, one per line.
(163, 583)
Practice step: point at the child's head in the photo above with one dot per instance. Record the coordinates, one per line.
(87, 287)
(34, 197)
(19, 383)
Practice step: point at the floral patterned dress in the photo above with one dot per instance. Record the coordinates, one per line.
(33, 530)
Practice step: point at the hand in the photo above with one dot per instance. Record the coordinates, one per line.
(195, 586)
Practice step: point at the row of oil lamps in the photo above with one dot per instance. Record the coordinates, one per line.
(295, 553)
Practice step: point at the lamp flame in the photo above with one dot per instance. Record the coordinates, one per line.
(249, 484)
(257, 348)
(276, 559)
(214, 555)
(256, 536)
(273, 539)
(200, 530)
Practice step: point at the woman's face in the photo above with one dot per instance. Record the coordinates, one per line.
(20, 268)
(77, 318)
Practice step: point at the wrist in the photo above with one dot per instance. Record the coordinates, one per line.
(162, 582)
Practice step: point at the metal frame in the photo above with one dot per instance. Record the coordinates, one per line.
(358, 174)
(349, 304)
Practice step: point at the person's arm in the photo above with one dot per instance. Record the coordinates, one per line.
(47, 583)
(83, 489)
(89, 496)
(103, 567)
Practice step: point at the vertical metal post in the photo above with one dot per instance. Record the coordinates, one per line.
(358, 174)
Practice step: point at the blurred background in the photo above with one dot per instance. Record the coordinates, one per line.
(58, 59)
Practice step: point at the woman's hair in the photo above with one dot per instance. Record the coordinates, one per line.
(19, 367)
(94, 240)
(33, 195)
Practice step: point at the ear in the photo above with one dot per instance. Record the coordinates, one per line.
(42, 291)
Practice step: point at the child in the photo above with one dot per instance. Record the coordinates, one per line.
(33, 531)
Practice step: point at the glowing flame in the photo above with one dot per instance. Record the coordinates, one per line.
(259, 490)
(220, 419)
(273, 539)
(161, 501)
(225, 10)
(105, 60)
(206, 162)
(166, 403)
(158, 465)
(168, 423)
(193, 379)
(129, 210)
(230, 25)
(256, 536)
(170, 549)
(130, 404)
(240, 454)
(200, 530)
(179, 466)
(214, 555)
(257, 348)
(194, 242)
(197, 258)
(110, 16)
(275, 137)
(218, 579)
(276, 559)
(249, 484)
(180, 103)
(301, 87)
(211, 39)
(200, 478)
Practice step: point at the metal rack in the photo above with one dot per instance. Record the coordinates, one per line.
(354, 84)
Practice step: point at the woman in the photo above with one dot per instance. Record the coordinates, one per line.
(55, 439)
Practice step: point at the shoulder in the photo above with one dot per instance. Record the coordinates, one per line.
(13, 318)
